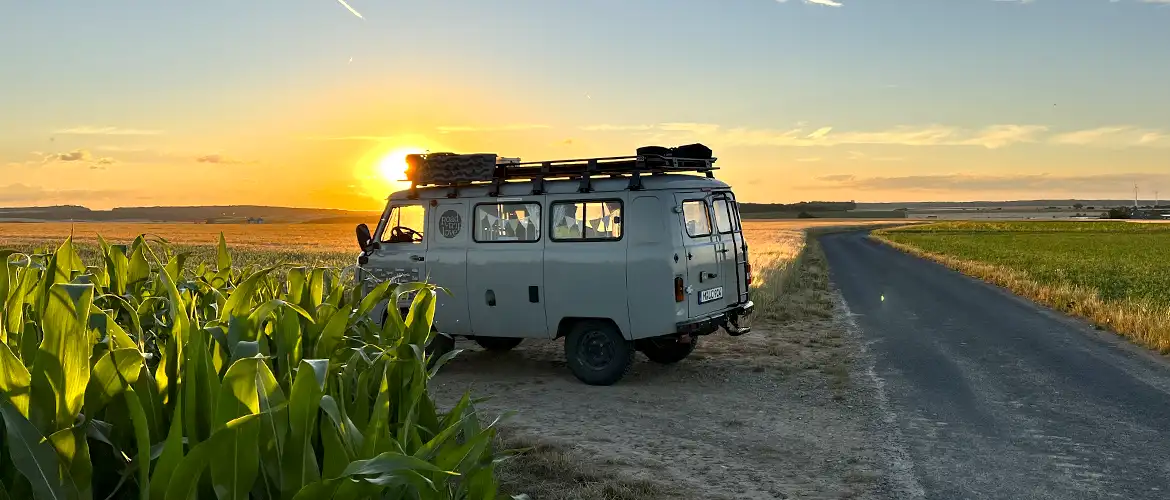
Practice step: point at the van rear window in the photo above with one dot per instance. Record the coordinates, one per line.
(507, 222)
(697, 219)
(724, 219)
(587, 220)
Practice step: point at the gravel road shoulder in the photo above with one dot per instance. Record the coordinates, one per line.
(786, 411)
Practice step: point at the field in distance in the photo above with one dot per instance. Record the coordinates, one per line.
(1115, 274)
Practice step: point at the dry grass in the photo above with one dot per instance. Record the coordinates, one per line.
(1145, 323)
(547, 470)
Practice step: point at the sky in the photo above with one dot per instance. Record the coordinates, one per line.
(313, 102)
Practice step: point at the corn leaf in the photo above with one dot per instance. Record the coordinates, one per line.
(168, 461)
(35, 457)
(300, 461)
(142, 442)
(73, 451)
(15, 381)
(223, 260)
(111, 375)
(240, 301)
(185, 478)
(61, 370)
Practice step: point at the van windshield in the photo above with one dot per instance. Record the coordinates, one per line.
(405, 224)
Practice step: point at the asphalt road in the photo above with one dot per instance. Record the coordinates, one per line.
(989, 396)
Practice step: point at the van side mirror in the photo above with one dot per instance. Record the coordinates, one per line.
(364, 238)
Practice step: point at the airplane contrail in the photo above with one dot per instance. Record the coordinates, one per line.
(346, 5)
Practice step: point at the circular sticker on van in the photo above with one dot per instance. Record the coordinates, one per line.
(450, 223)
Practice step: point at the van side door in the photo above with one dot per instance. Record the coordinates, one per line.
(701, 243)
(402, 245)
(446, 260)
(505, 268)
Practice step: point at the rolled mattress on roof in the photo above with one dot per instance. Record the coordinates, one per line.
(450, 168)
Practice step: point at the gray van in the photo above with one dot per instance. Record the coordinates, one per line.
(616, 255)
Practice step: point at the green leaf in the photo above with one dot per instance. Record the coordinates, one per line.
(223, 260)
(61, 370)
(240, 301)
(300, 461)
(17, 299)
(185, 477)
(73, 450)
(138, 269)
(6, 275)
(172, 455)
(112, 374)
(331, 336)
(142, 442)
(34, 457)
(15, 380)
(390, 463)
(373, 298)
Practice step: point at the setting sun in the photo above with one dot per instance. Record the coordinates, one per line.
(392, 166)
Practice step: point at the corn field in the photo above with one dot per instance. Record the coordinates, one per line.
(138, 378)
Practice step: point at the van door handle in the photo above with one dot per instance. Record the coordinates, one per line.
(417, 258)
(723, 250)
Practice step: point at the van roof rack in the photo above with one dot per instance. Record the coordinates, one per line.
(584, 169)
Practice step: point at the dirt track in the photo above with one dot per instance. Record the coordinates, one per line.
(779, 413)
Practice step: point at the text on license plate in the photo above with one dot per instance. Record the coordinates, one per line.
(710, 294)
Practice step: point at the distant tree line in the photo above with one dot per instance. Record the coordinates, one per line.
(804, 206)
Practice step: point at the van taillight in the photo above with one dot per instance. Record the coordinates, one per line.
(679, 293)
(748, 271)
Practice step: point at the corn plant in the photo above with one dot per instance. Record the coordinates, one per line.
(138, 377)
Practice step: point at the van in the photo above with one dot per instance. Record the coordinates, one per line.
(614, 255)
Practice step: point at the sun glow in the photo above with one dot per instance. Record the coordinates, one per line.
(392, 166)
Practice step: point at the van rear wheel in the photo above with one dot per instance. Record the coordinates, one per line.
(597, 353)
(498, 343)
(667, 350)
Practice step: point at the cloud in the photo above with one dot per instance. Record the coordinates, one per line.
(77, 155)
(617, 128)
(992, 137)
(87, 130)
(1040, 183)
(1114, 136)
(220, 160)
(490, 128)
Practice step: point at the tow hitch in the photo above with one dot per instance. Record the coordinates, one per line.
(732, 325)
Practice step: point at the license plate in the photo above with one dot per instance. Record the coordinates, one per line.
(710, 294)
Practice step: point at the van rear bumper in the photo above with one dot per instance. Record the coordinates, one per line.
(728, 319)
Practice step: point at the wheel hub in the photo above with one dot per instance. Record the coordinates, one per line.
(597, 350)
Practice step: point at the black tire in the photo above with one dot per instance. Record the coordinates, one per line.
(597, 353)
(498, 343)
(667, 350)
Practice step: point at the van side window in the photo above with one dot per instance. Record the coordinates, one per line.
(587, 220)
(724, 221)
(507, 222)
(404, 224)
(697, 219)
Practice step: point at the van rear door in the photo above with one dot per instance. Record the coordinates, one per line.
(701, 243)
(731, 248)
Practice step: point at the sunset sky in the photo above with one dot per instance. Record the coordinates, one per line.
(296, 103)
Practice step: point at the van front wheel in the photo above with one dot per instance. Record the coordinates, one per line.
(597, 353)
(498, 343)
(667, 350)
